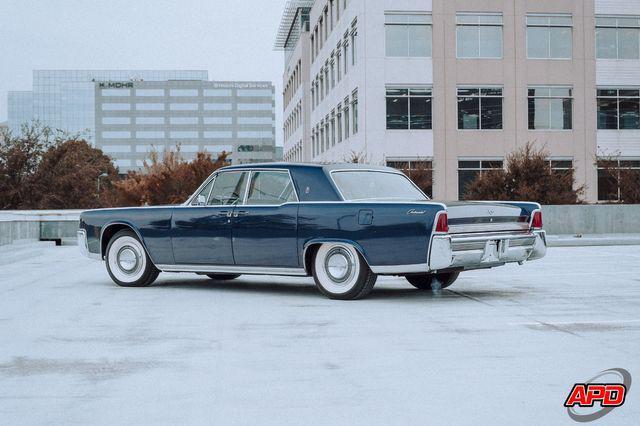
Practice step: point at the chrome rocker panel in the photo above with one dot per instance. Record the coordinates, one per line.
(244, 270)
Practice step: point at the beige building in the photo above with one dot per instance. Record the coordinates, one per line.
(458, 85)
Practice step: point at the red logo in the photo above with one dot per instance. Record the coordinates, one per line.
(587, 394)
(590, 400)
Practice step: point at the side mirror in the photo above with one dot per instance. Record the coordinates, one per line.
(202, 200)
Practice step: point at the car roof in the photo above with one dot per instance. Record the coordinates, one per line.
(326, 167)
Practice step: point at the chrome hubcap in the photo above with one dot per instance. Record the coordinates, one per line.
(127, 259)
(338, 265)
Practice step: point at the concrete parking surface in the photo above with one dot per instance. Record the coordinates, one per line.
(503, 346)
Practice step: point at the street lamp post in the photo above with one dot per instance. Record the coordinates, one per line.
(103, 175)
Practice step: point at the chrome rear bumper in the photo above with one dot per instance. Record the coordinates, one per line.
(476, 251)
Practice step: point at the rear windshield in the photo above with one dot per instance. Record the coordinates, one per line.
(374, 185)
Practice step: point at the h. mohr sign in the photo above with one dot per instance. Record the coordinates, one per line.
(115, 84)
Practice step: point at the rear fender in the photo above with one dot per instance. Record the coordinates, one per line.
(319, 241)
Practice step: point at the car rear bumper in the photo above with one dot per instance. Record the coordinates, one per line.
(476, 251)
(83, 246)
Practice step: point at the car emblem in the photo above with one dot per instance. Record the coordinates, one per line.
(491, 212)
(414, 211)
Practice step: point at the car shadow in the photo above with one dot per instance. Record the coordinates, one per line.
(306, 287)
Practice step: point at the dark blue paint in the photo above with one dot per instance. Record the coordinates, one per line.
(266, 236)
(277, 236)
(202, 235)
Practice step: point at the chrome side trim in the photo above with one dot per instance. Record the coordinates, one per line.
(83, 246)
(232, 269)
(489, 227)
(400, 269)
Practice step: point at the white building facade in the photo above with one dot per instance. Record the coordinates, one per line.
(457, 86)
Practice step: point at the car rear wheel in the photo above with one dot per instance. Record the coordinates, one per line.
(432, 281)
(223, 277)
(127, 261)
(340, 272)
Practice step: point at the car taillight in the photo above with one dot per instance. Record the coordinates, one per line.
(442, 225)
(536, 221)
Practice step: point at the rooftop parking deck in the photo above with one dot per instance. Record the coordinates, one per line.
(500, 346)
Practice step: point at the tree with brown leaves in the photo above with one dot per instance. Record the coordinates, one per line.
(528, 177)
(72, 175)
(170, 180)
(20, 156)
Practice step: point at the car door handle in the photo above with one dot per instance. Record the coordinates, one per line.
(240, 213)
(225, 213)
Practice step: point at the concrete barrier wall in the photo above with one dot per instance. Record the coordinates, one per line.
(558, 220)
(592, 219)
(36, 225)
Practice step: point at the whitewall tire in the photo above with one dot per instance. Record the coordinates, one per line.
(340, 272)
(127, 261)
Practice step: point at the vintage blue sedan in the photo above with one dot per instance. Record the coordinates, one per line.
(342, 224)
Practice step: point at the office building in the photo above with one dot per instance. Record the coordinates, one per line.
(134, 118)
(64, 99)
(457, 86)
(128, 113)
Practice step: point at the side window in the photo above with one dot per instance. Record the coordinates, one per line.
(228, 189)
(201, 199)
(271, 188)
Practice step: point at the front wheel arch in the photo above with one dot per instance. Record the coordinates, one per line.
(111, 229)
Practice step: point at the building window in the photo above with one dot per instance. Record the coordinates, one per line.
(339, 123)
(469, 170)
(333, 129)
(408, 108)
(347, 119)
(479, 35)
(333, 72)
(327, 135)
(418, 170)
(550, 108)
(408, 35)
(345, 48)
(354, 38)
(614, 173)
(313, 48)
(354, 111)
(338, 59)
(326, 23)
(618, 109)
(549, 36)
(618, 37)
(326, 80)
(480, 108)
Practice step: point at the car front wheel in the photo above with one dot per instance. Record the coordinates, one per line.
(340, 272)
(127, 261)
(432, 281)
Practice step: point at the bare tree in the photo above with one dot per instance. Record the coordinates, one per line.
(620, 179)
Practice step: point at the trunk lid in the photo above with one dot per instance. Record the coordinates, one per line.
(478, 216)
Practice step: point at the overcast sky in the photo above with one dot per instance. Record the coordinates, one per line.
(232, 39)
